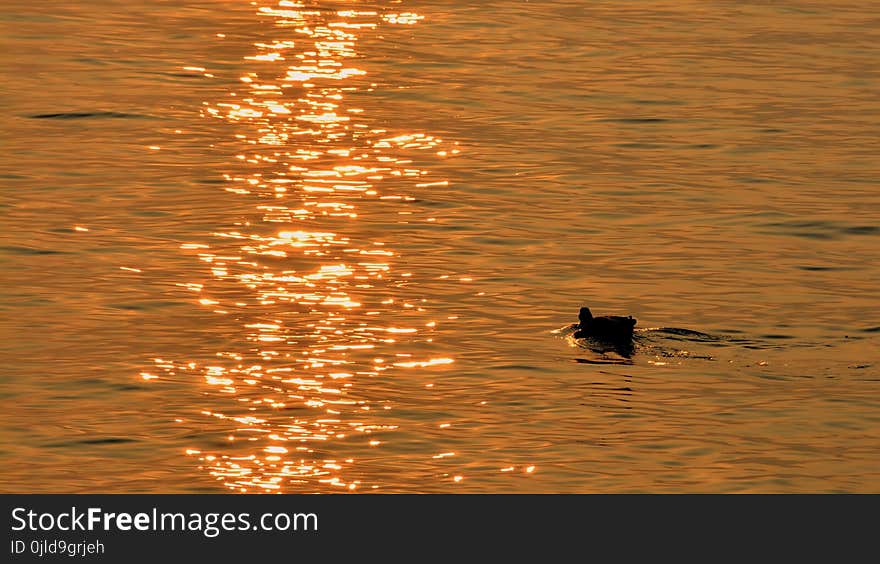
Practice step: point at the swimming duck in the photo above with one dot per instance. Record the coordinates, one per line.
(605, 328)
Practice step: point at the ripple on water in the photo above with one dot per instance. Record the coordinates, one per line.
(89, 115)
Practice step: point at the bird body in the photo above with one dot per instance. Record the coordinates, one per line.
(612, 328)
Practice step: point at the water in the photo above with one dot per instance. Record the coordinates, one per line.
(325, 247)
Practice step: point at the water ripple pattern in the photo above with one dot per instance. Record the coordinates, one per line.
(326, 314)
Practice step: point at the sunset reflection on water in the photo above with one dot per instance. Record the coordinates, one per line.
(323, 312)
(335, 246)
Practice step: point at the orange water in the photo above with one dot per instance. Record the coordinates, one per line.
(312, 247)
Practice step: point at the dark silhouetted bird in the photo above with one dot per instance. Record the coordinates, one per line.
(610, 328)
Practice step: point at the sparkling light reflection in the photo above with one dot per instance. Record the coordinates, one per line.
(318, 303)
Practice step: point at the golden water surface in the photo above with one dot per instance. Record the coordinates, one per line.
(284, 246)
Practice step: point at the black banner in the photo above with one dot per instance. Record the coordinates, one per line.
(232, 528)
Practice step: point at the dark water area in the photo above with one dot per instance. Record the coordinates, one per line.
(334, 246)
